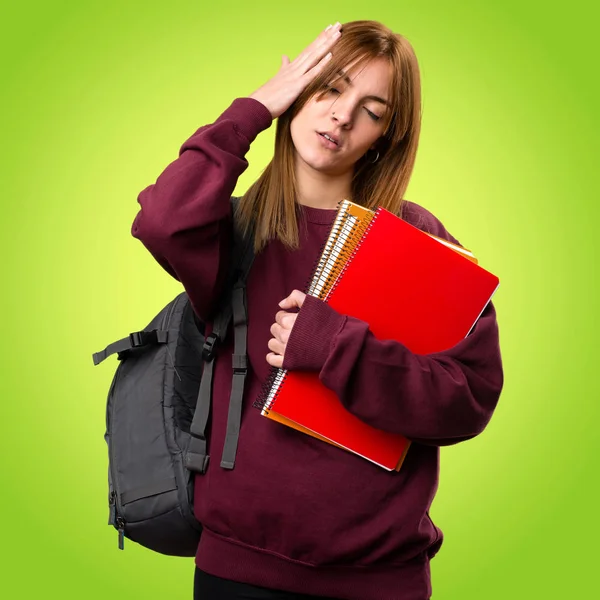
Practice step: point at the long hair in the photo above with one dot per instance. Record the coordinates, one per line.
(270, 203)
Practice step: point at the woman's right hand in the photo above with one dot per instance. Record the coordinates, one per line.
(279, 93)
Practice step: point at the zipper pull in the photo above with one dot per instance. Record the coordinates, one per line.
(112, 508)
(121, 530)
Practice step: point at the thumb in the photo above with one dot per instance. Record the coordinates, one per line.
(285, 61)
(294, 300)
(287, 302)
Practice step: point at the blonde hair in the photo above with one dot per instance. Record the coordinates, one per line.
(270, 203)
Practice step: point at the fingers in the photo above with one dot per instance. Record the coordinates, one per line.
(275, 360)
(312, 73)
(319, 41)
(279, 92)
(280, 333)
(294, 300)
(285, 319)
(323, 47)
(287, 302)
(282, 328)
(276, 346)
(316, 51)
(331, 30)
(326, 38)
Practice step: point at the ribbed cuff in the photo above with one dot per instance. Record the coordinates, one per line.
(250, 117)
(315, 328)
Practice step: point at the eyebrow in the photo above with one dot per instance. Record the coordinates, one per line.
(347, 79)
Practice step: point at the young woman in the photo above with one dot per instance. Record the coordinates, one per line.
(297, 517)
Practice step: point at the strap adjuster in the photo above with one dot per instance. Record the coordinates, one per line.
(210, 346)
(141, 338)
(198, 463)
(239, 363)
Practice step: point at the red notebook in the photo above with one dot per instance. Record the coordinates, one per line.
(430, 302)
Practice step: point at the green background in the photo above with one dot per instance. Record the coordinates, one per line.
(96, 99)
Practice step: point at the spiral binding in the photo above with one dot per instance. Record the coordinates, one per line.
(329, 266)
(354, 249)
(341, 251)
(339, 235)
(270, 391)
(340, 247)
(326, 246)
(347, 228)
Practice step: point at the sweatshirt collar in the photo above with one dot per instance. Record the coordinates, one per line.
(320, 216)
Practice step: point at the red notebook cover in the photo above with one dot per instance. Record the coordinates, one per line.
(408, 287)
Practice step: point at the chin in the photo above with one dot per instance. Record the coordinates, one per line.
(319, 164)
(318, 161)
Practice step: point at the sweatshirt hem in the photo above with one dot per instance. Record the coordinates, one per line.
(236, 561)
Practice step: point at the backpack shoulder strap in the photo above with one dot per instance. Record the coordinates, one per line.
(239, 359)
(234, 307)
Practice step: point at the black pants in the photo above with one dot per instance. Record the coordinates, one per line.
(209, 587)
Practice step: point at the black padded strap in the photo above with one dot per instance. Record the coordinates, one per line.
(196, 457)
(240, 370)
(235, 306)
(240, 355)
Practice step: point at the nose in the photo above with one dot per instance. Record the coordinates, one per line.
(342, 112)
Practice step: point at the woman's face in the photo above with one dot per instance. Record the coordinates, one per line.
(352, 113)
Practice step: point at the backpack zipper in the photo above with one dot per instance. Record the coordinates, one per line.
(117, 520)
(121, 530)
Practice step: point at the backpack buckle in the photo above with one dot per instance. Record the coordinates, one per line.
(210, 346)
(141, 338)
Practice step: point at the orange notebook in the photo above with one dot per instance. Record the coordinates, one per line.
(408, 287)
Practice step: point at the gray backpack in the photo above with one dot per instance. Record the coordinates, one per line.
(157, 414)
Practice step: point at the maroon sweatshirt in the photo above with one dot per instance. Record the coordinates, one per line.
(297, 513)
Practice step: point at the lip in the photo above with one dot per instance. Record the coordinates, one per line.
(335, 145)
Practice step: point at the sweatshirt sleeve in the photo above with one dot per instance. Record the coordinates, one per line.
(185, 217)
(436, 399)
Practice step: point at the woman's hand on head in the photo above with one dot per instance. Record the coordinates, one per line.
(282, 328)
(293, 77)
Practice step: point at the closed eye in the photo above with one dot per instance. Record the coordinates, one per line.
(372, 115)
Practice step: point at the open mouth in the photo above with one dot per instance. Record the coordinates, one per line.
(329, 141)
